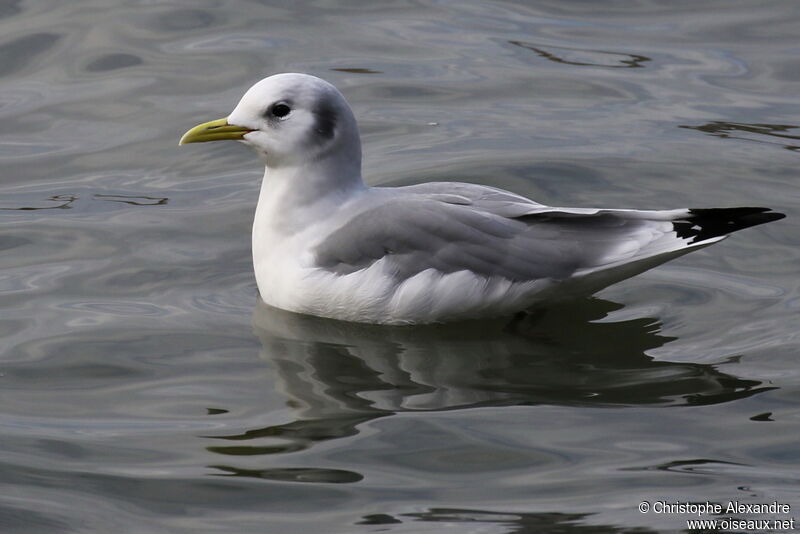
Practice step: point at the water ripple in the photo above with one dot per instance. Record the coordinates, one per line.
(732, 130)
(236, 41)
(585, 57)
(110, 309)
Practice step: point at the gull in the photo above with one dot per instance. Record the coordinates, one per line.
(326, 244)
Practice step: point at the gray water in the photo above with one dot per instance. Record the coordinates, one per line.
(144, 390)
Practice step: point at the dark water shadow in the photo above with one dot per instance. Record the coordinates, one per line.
(584, 57)
(514, 522)
(695, 466)
(338, 375)
(357, 70)
(315, 475)
(133, 200)
(17, 54)
(64, 202)
(739, 130)
(9, 8)
(113, 61)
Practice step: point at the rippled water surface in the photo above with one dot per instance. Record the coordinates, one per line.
(144, 390)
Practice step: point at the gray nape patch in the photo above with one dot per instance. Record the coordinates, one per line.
(325, 117)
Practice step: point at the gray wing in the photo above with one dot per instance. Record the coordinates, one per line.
(493, 236)
(454, 227)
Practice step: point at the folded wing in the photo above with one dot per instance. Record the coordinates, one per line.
(493, 233)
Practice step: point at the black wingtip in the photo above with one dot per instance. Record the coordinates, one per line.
(707, 223)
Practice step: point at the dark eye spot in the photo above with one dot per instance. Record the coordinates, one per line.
(280, 109)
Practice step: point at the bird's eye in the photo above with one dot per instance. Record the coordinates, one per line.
(280, 110)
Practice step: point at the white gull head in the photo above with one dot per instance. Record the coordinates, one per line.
(297, 118)
(295, 122)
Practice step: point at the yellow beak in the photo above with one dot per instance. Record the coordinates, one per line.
(217, 130)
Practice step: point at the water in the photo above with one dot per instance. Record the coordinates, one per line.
(145, 391)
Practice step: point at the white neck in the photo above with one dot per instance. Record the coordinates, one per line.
(293, 197)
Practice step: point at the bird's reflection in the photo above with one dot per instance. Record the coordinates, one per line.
(513, 522)
(337, 375)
